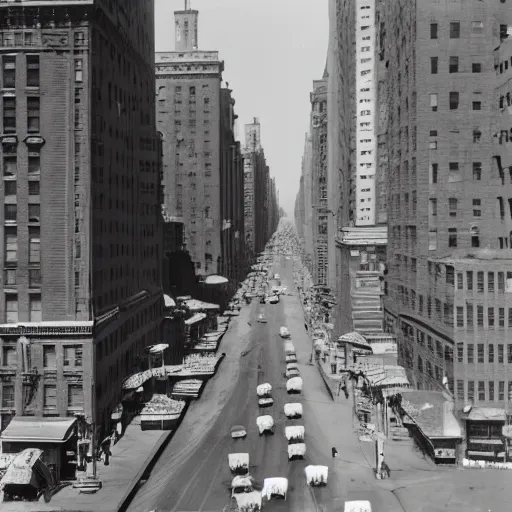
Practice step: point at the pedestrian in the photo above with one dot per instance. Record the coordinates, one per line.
(305, 326)
(386, 469)
(105, 447)
(334, 452)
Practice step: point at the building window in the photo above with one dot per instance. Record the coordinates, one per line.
(73, 355)
(50, 397)
(480, 316)
(460, 316)
(49, 356)
(34, 277)
(509, 358)
(454, 100)
(79, 72)
(454, 30)
(452, 205)
(501, 317)
(471, 390)
(9, 72)
(34, 188)
(477, 171)
(433, 102)
(432, 144)
(452, 237)
(477, 136)
(433, 65)
(33, 105)
(469, 314)
(35, 310)
(454, 65)
(10, 213)
(501, 390)
(9, 115)
(34, 212)
(477, 207)
(10, 166)
(477, 105)
(34, 242)
(10, 188)
(32, 70)
(433, 173)
(9, 277)
(476, 67)
(75, 396)
(491, 390)
(433, 31)
(11, 245)
(11, 308)
(460, 389)
(433, 207)
(469, 279)
(8, 396)
(500, 353)
(477, 27)
(34, 165)
(481, 391)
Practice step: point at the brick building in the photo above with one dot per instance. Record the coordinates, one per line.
(307, 174)
(232, 264)
(447, 289)
(353, 172)
(260, 195)
(319, 208)
(81, 295)
(188, 115)
(298, 211)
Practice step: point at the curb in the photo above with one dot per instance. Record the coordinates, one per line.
(325, 379)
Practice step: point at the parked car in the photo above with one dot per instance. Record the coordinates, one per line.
(274, 299)
(284, 333)
(262, 319)
(238, 431)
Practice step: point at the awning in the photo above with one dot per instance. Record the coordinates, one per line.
(355, 339)
(196, 318)
(169, 302)
(24, 429)
(199, 305)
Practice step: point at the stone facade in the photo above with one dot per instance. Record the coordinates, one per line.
(81, 218)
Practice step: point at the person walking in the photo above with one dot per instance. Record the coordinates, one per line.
(334, 452)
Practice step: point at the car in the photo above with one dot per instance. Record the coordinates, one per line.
(263, 300)
(238, 431)
(274, 299)
(262, 319)
(277, 276)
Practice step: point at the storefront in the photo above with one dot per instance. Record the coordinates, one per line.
(56, 437)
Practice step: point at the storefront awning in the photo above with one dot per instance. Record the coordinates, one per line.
(196, 318)
(199, 305)
(355, 339)
(24, 429)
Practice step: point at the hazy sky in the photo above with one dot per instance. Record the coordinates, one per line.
(272, 51)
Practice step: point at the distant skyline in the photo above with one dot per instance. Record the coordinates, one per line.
(272, 51)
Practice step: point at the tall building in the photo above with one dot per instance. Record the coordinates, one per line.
(232, 264)
(307, 173)
(319, 212)
(188, 115)
(81, 296)
(447, 290)
(298, 211)
(361, 232)
(260, 195)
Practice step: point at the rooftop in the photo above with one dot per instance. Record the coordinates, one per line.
(432, 413)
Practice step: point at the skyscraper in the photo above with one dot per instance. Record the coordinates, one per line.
(81, 296)
(359, 229)
(188, 115)
(447, 289)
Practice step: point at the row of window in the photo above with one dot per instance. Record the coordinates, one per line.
(466, 353)
(73, 356)
(9, 71)
(11, 245)
(453, 65)
(35, 312)
(477, 27)
(492, 395)
(75, 397)
(33, 114)
(454, 174)
(454, 101)
(453, 205)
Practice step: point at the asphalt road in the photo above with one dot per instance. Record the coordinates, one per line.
(199, 479)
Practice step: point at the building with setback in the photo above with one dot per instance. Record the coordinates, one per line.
(319, 213)
(360, 225)
(81, 297)
(448, 286)
(259, 193)
(188, 82)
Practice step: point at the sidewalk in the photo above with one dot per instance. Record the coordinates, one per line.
(133, 456)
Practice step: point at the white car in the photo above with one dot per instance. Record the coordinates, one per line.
(277, 276)
(265, 402)
(238, 431)
(274, 299)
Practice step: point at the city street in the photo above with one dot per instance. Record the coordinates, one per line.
(193, 475)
